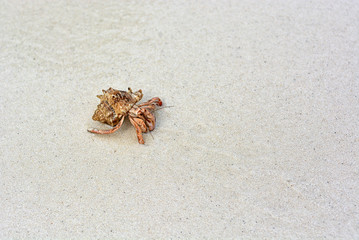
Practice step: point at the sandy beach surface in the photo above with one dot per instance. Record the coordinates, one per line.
(261, 141)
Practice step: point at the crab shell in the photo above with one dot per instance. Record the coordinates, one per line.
(114, 104)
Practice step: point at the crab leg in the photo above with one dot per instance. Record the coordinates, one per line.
(114, 129)
(151, 107)
(138, 130)
(152, 101)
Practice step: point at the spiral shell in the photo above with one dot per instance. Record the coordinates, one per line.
(115, 104)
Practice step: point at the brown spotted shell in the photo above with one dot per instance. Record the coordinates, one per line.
(114, 104)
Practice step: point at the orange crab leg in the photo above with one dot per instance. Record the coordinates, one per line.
(138, 130)
(114, 129)
(152, 101)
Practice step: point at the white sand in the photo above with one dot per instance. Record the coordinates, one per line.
(262, 141)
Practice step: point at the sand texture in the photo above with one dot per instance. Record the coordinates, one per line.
(262, 141)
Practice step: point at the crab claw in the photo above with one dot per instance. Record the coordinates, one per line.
(138, 130)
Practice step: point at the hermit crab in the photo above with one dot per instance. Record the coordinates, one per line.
(115, 105)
